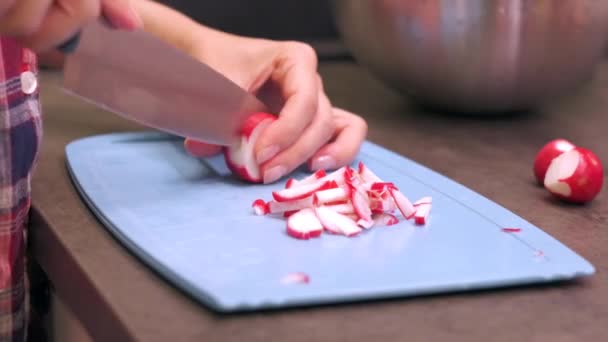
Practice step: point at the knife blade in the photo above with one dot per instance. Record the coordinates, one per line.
(139, 77)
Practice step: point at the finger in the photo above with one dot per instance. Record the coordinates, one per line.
(296, 76)
(62, 21)
(24, 17)
(351, 131)
(201, 149)
(5, 6)
(317, 134)
(121, 14)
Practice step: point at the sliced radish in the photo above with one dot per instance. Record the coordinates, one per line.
(304, 224)
(298, 192)
(281, 207)
(311, 178)
(289, 213)
(422, 212)
(511, 230)
(546, 154)
(260, 207)
(361, 204)
(296, 278)
(331, 195)
(403, 203)
(367, 224)
(576, 176)
(385, 219)
(367, 175)
(337, 223)
(240, 157)
(342, 208)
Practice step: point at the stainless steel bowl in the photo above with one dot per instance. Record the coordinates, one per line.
(477, 55)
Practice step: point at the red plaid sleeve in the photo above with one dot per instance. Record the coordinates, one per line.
(20, 132)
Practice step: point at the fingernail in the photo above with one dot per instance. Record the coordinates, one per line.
(323, 162)
(274, 173)
(267, 153)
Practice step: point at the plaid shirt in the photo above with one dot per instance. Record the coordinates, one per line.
(20, 133)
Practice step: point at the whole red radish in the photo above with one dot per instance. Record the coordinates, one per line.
(546, 154)
(575, 176)
(240, 157)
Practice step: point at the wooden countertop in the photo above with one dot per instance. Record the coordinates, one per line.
(119, 299)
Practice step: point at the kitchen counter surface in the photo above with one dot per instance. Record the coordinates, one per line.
(117, 298)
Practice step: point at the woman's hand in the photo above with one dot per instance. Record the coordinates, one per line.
(284, 75)
(43, 25)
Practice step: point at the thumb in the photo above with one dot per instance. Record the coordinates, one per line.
(121, 14)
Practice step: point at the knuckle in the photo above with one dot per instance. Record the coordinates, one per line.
(303, 50)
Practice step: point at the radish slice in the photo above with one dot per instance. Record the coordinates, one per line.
(299, 192)
(304, 225)
(280, 207)
(240, 157)
(367, 224)
(366, 174)
(312, 178)
(331, 195)
(385, 219)
(296, 278)
(260, 207)
(511, 230)
(343, 208)
(403, 204)
(361, 205)
(422, 213)
(337, 223)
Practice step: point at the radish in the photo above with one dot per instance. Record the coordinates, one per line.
(260, 207)
(423, 208)
(337, 223)
(343, 202)
(299, 192)
(296, 278)
(304, 224)
(240, 157)
(575, 176)
(385, 219)
(331, 195)
(403, 204)
(367, 175)
(281, 207)
(546, 154)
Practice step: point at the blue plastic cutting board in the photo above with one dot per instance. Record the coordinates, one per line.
(194, 225)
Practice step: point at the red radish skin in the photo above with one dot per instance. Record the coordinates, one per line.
(304, 225)
(575, 176)
(275, 207)
(289, 213)
(296, 278)
(240, 157)
(366, 174)
(331, 195)
(422, 212)
(546, 154)
(403, 204)
(511, 230)
(260, 207)
(337, 223)
(385, 219)
(300, 192)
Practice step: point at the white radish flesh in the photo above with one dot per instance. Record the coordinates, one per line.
(337, 223)
(304, 224)
(403, 204)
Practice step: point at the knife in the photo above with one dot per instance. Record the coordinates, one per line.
(139, 77)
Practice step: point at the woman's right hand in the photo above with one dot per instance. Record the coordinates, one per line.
(43, 25)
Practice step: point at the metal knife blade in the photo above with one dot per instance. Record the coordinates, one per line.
(138, 76)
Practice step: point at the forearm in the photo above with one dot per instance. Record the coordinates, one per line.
(176, 28)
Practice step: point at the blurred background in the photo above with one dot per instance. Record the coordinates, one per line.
(310, 20)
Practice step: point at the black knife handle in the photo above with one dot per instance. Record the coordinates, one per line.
(70, 45)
